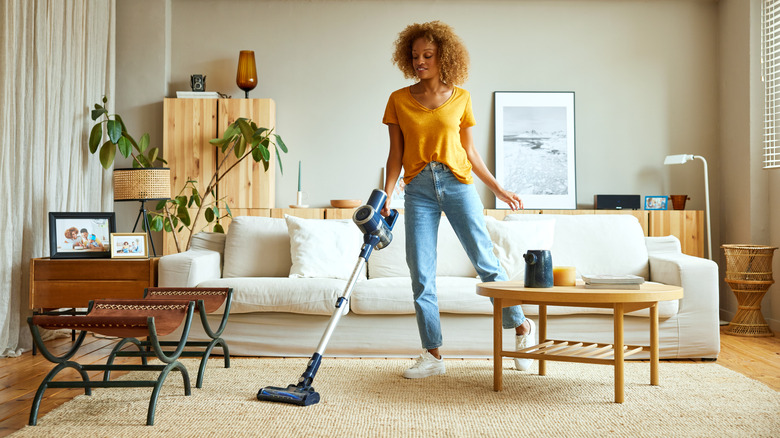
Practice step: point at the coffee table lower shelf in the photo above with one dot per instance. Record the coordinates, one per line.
(573, 351)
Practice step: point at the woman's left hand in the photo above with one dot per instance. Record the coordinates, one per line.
(510, 198)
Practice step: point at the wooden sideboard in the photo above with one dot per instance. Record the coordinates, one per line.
(72, 283)
(189, 125)
(686, 225)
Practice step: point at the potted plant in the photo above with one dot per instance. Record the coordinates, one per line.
(242, 139)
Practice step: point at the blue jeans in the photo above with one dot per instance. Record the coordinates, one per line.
(431, 192)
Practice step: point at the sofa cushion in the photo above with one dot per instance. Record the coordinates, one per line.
(393, 296)
(323, 248)
(512, 239)
(597, 243)
(452, 260)
(257, 247)
(308, 296)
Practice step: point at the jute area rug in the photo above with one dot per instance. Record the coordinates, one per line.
(369, 398)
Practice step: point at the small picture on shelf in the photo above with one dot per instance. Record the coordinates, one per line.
(656, 202)
(80, 235)
(129, 246)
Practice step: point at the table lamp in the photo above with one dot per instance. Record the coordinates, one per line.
(682, 159)
(145, 184)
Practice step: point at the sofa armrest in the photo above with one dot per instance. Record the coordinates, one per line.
(698, 315)
(189, 268)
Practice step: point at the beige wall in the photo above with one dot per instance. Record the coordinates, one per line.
(647, 77)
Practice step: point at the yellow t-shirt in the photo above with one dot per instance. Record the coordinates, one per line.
(432, 134)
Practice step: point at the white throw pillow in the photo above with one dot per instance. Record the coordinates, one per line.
(323, 248)
(512, 239)
(257, 247)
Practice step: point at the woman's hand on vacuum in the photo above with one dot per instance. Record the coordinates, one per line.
(510, 198)
(386, 209)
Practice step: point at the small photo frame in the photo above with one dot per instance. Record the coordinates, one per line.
(656, 202)
(80, 235)
(129, 246)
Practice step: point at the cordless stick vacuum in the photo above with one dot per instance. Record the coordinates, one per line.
(376, 234)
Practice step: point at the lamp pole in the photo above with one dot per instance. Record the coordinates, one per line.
(707, 204)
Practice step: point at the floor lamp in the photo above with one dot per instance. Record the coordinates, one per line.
(682, 159)
(145, 184)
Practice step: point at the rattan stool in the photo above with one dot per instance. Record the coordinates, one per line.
(749, 274)
(207, 300)
(123, 318)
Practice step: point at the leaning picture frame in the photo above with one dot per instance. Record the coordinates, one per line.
(535, 148)
(80, 235)
(129, 246)
(656, 202)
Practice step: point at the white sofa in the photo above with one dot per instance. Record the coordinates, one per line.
(287, 274)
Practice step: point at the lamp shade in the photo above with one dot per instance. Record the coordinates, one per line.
(142, 184)
(246, 76)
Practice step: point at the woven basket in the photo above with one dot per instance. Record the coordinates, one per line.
(749, 274)
(142, 184)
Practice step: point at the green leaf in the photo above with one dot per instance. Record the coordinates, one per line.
(218, 228)
(264, 150)
(257, 155)
(279, 160)
(94, 137)
(144, 143)
(156, 224)
(280, 143)
(180, 200)
(167, 225)
(227, 207)
(215, 209)
(125, 148)
(196, 196)
(260, 133)
(153, 154)
(98, 111)
(209, 215)
(246, 130)
(184, 215)
(219, 141)
(160, 205)
(240, 148)
(114, 129)
(231, 130)
(107, 153)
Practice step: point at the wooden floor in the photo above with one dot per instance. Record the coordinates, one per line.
(758, 358)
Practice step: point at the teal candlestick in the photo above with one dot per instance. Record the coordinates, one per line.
(299, 175)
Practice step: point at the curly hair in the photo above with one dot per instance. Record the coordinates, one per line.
(452, 53)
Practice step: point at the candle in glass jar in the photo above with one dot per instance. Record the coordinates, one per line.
(564, 276)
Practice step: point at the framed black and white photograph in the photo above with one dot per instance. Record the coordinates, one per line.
(129, 246)
(80, 235)
(656, 202)
(535, 142)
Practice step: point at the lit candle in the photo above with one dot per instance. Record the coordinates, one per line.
(299, 175)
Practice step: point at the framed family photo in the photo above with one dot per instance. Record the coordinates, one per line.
(535, 142)
(80, 235)
(129, 246)
(656, 202)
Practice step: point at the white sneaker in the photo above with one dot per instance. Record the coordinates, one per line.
(426, 366)
(525, 341)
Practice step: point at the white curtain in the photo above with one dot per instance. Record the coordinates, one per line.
(56, 61)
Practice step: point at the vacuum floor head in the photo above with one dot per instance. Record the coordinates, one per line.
(293, 394)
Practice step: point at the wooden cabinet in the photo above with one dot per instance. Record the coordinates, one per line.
(72, 283)
(189, 125)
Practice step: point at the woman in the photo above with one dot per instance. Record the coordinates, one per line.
(430, 125)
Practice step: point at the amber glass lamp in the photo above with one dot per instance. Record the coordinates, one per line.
(246, 77)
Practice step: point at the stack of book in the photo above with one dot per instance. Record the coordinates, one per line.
(612, 281)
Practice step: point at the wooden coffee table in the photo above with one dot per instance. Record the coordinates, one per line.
(511, 293)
